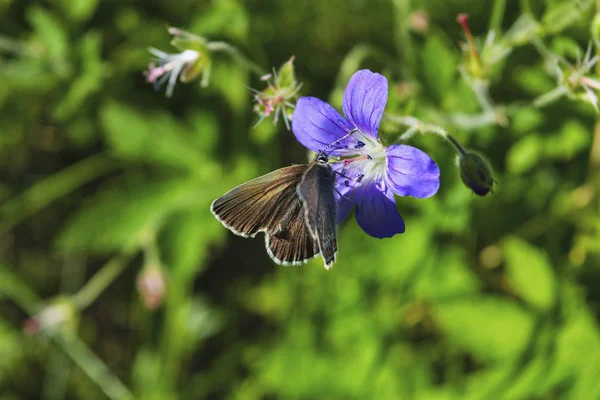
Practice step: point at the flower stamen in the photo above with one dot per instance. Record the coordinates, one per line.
(359, 158)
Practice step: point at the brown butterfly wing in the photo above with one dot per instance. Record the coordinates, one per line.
(270, 204)
(293, 243)
(316, 191)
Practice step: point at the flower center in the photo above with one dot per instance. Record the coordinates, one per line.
(368, 164)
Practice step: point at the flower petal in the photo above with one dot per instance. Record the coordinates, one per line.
(411, 172)
(344, 204)
(364, 101)
(344, 207)
(376, 211)
(317, 125)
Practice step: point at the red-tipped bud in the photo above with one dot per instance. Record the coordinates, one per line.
(151, 286)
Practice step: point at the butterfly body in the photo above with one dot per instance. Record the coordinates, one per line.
(316, 192)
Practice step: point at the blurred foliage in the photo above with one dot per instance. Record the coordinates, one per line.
(102, 180)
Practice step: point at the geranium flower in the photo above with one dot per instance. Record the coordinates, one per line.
(373, 173)
(170, 67)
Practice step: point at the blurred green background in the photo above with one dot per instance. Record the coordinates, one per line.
(105, 187)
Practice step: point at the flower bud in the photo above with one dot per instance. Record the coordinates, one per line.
(419, 21)
(193, 60)
(476, 173)
(151, 286)
(185, 41)
(280, 96)
(473, 62)
(51, 317)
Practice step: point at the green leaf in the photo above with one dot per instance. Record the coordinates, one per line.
(525, 154)
(197, 321)
(88, 82)
(573, 138)
(11, 352)
(147, 375)
(80, 10)
(149, 136)
(12, 287)
(533, 80)
(529, 381)
(204, 129)
(440, 70)
(225, 17)
(264, 132)
(437, 281)
(230, 81)
(492, 329)
(385, 254)
(560, 16)
(530, 273)
(37, 77)
(577, 354)
(567, 47)
(526, 119)
(53, 36)
(187, 238)
(119, 218)
(53, 187)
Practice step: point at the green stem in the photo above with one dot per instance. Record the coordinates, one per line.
(12, 287)
(100, 281)
(58, 371)
(14, 46)
(482, 94)
(236, 55)
(497, 16)
(94, 368)
(526, 8)
(44, 192)
(58, 365)
(403, 39)
(418, 126)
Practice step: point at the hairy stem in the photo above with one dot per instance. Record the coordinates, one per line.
(236, 55)
(418, 126)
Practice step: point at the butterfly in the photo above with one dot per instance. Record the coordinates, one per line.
(293, 206)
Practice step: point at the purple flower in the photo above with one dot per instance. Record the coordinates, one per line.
(375, 172)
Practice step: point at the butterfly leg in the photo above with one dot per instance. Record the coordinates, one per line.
(357, 180)
(344, 197)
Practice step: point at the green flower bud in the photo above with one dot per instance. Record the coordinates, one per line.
(476, 173)
(278, 99)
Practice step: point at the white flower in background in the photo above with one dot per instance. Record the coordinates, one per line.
(170, 67)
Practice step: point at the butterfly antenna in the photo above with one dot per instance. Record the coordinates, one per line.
(324, 151)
